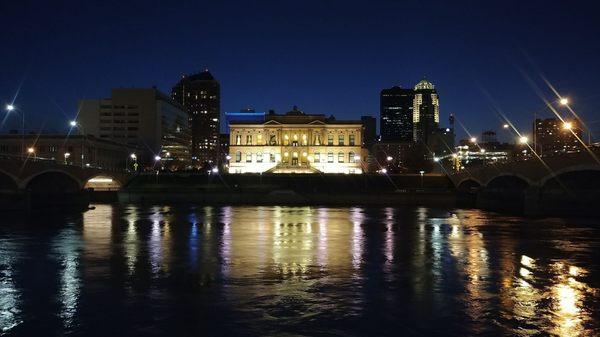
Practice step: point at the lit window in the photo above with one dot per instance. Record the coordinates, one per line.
(317, 157)
(340, 157)
(351, 157)
(330, 156)
(248, 139)
(238, 139)
(329, 139)
(351, 140)
(238, 157)
(259, 157)
(318, 139)
(341, 140)
(248, 157)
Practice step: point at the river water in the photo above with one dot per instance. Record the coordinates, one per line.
(313, 271)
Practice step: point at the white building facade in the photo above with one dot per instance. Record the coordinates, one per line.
(297, 143)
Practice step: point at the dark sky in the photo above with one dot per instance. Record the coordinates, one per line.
(329, 57)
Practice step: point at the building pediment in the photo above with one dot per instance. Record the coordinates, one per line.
(270, 122)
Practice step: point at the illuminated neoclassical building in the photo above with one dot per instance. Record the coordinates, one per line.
(296, 143)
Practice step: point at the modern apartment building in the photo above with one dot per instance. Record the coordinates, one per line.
(141, 117)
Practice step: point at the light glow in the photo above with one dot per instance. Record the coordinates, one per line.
(523, 139)
(100, 180)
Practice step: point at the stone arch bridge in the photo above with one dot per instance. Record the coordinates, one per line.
(569, 182)
(33, 181)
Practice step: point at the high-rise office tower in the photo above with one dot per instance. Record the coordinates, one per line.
(396, 114)
(369, 130)
(200, 94)
(426, 111)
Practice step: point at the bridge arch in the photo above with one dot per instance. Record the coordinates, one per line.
(8, 182)
(567, 170)
(509, 181)
(58, 180)
(468, 185)
(103, 182)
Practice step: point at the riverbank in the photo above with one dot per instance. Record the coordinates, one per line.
(292, 189)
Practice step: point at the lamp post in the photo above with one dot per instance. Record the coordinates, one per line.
(133, 157)
(74, 124)
(10, 108)
(31, 151)
(157, 161)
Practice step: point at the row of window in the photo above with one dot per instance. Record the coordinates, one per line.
(120, 114)
(119, 121)
(317, 158)
(103, 106)
(119, 128)
(295, 142)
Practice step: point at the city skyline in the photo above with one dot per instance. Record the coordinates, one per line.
(477, 61)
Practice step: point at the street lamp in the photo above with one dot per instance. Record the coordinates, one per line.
(473, 140)
(389, 158)
(74, 124)
(564, 101)
(31, 151)
(567, 125)
(523, 139)
(67, 155)
(9, 108)
(506, 126)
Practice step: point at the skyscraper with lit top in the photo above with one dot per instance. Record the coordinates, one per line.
(426, 111)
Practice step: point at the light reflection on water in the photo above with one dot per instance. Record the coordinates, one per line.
(10, 311)
(299, 270)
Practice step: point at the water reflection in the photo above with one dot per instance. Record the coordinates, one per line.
(66, 247)
(302, 270)
(10, 306)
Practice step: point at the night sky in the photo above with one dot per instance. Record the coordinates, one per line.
(330, 57)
